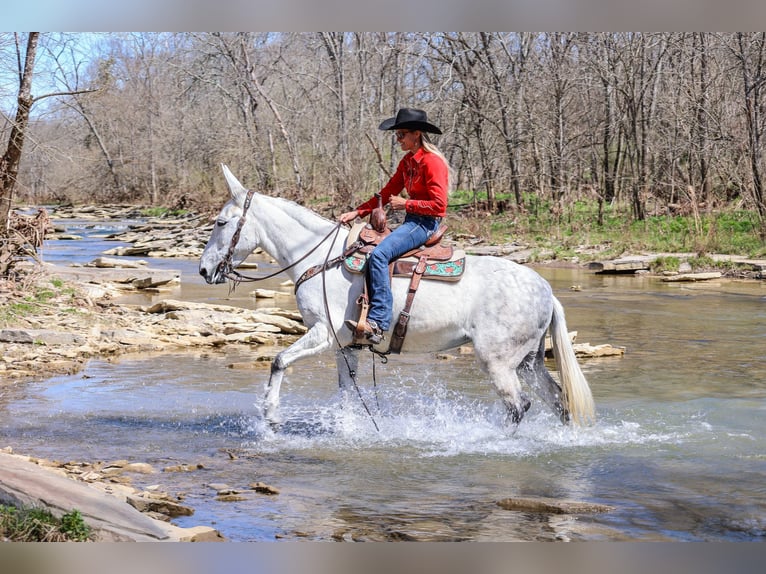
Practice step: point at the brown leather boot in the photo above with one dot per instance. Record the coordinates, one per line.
(370, 329)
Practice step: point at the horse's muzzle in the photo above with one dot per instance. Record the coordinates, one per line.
(213, 278)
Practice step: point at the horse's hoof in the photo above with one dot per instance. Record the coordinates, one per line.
(526, 404)
(275, 426)
(511, 427)
(515, 415)
(272, 418)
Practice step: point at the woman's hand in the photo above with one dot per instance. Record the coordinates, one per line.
(348, 216)
(397, 202)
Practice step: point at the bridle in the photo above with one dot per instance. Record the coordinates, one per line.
(226, 266)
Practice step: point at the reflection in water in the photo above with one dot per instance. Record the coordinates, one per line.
(678, 447)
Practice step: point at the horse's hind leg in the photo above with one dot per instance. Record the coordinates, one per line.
(533, 372)
(508, 387)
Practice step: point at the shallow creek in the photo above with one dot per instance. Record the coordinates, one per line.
(679, 447)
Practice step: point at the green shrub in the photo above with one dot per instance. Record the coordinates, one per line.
(665, 263)
(74, 527)
(38, 525)
(163, 212)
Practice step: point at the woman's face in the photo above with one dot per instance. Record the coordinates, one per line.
(408, 140)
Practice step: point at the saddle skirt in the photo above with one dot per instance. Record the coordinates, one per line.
(444, 263)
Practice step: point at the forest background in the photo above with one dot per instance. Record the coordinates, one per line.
(629, 140)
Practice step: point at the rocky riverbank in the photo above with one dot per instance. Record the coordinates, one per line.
(51, 327)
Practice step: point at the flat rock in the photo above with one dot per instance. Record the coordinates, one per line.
(552, 506)
(160, 505)
(40, 336)
(110, 263)
(692, 277)
(588, 351)
(264, 488)
(24, 483)
(623, 265)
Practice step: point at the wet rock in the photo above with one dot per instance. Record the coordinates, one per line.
(155, 280)
(183, 468)
(259, 364)
(588, 351)
(264, 488)
(109, 263)
(552, 506)
(233, 497)
(139, 467)
(162, 505)
(690, 277)
(200, 534)
(227, 491)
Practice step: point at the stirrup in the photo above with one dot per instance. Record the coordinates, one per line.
(370, 330)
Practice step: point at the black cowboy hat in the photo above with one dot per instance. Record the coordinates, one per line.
(409, 118)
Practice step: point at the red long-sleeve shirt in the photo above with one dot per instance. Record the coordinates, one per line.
(425, 176)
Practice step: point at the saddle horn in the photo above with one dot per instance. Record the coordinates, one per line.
(378, 216)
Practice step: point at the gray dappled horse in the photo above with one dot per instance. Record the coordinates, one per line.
(503, 308)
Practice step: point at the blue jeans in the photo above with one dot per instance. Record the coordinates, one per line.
(413, 233)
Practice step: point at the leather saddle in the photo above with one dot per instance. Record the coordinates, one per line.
(432, 260)
(442, 262)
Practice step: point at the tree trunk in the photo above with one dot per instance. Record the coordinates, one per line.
(702, 115)
(505, 120)
(277, 116)
(753, 77)
(334, 43)
(9, 163)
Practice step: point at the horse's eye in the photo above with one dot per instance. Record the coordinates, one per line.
(220, 222)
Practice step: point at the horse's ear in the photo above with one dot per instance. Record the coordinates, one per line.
(236, 189)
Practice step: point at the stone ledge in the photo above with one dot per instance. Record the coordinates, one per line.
(25, 483)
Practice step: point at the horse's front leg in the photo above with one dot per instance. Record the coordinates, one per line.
(313, 342)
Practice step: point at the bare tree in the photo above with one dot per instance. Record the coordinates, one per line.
(633, 120)
(602, 48)
(11, 158)
(642, 60)
(335, 46)
(9, 162)
(750, 53)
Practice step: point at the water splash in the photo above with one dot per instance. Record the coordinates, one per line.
(432, 420)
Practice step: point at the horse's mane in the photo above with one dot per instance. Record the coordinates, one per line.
(303, 215)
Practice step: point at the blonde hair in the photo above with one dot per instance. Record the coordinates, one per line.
(430, 147)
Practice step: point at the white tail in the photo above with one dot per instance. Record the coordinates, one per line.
(577, 396)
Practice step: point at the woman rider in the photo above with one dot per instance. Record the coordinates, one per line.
(424, 173)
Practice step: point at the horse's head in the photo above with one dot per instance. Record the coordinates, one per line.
(233, 237)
